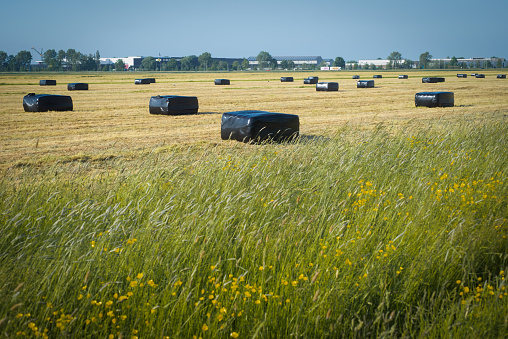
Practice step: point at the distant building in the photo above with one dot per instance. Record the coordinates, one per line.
(477, 62)
(131, 63)
(299, 61)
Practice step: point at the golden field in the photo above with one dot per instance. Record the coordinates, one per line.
(112, 119)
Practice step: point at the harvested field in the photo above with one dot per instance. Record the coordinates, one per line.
(112, 118)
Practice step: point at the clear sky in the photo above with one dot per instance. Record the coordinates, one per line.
(364, 29)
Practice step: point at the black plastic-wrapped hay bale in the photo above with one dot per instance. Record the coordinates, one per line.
(377, 76)
(46, 102)
(403, 76)
(173, 105)
(259, 126)
(77, 86)
(461, 75)
(222, 82)
(311, 80)
(142, 81)
(432, 80)
(47, 83)
(327, 86)
(356, 77)
(480, 75)
(286, 79)
(501, 76)
(473, 74)
(434, 99)
(151, 80)
(365, 84)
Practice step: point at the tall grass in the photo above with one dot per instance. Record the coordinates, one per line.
(366, 234)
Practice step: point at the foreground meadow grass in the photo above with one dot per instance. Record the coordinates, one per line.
(364, 233)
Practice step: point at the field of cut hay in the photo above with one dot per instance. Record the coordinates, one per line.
(381, 220)
(112, 119)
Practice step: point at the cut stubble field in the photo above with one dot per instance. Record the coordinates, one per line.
(112, 119)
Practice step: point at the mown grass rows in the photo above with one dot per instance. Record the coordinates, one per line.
(363, 234)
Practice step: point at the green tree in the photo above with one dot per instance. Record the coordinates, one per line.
(339, 62)
(87, 62)
(264, 59)
(22, 60)
(373, 67)
(189, 63)
(60, 58)
(425, 59)
(407, 63)
(488, 64)
(395, 59)
(499, 63)
(49, 58)
(205, 59)
(120, 65)
(245, 63)
(274, 64)
(171, 65)
(236, 65)
(148, 64)
(454, 62)
(98, 60)
(284, 64)
(3, 60)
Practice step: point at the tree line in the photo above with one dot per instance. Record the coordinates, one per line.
(72, 60)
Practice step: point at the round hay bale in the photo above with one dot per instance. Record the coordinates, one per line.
(365, 84)
(77, 86)
(258, 126)
(46, 102)
(434, 99)
(47, 83)
(173, 105)
(327, 86)
(221, 82)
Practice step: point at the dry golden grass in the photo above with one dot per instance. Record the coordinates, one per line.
(112, 118)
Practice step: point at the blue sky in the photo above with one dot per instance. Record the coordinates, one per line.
(364, 29)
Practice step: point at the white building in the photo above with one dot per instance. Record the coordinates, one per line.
(131, 62)
(297, 60)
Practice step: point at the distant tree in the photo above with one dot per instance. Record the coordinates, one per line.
(204, 60)
(60, 58)
(98, 60)
(3, 60)
(355, 65)
(407, 63)
(454, 62)
(395, 59)
(499, 63)
(189, 63)
(236, 65)
(73, 58)
(389, 65)
(488, 64)
(171, 65)
(372, 66)
(86, 62)
(264, 59)
(425, 59)
(284, 64)
(366, 66)
(274, 64)
(148, 64)
(339, 62)
(22, 60)
(245, 63)
(49, 58)
(120, 65)
(478, 64)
